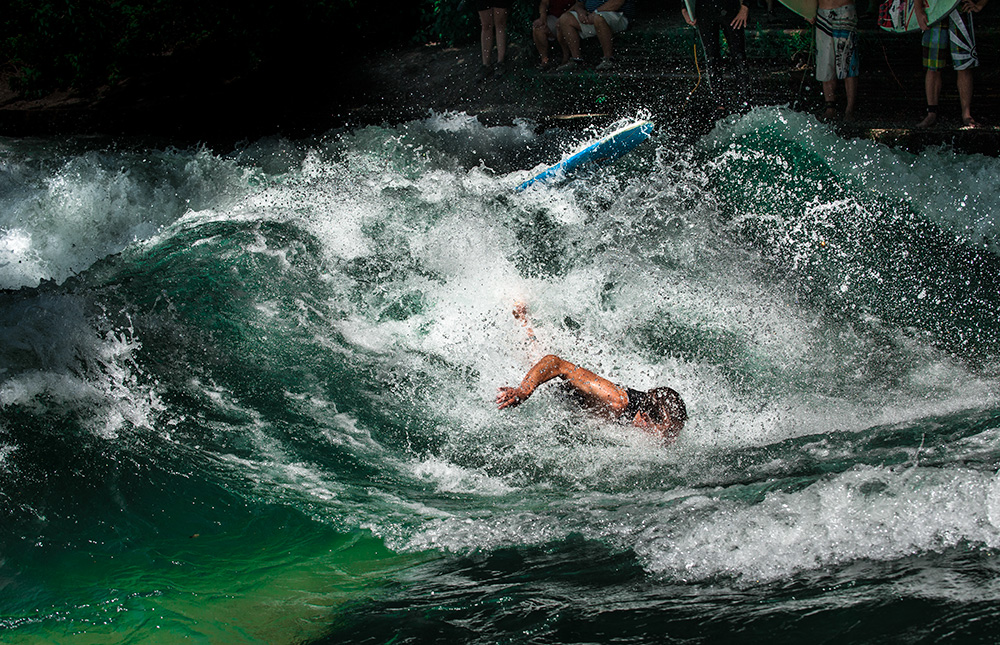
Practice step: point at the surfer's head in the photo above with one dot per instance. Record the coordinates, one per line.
(662, 410)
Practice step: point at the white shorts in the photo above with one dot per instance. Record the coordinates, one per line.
(836, 43)
(615, 19)
(553, 24)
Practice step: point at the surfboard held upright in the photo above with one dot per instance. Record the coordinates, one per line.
(901, 15)
(603, 150)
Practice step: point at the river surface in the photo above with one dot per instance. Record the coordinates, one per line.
(247, 396)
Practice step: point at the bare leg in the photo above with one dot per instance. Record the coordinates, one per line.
(541, 37)
(569, 35)
(500, 22)
(486, 34)
(851, 90)
(965, 95)
(932, 88)
(561, 39)
(604, 36)
(829, 96)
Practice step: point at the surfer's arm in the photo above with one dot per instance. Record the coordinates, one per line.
(595, 390)
(521, 315)
(970, 6)
(544, 370)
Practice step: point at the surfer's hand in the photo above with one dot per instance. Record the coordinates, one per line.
(687, 17)
(508, 397)
(973, 7)
(740, 21)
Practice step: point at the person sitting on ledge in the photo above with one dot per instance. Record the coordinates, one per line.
(601, 18)
(659, 411)
(543, 30)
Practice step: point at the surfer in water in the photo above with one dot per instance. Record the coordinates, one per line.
(659, 411)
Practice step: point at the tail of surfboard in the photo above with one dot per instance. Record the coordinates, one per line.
(805, 8)
(605, 149)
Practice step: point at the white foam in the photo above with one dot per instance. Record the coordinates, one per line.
(865, 513)
(449, 478)
(957, 191)
(61, 213)
(56, 357)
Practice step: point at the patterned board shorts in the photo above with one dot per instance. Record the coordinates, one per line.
(951, 37)
(837, 43)
(615, 19)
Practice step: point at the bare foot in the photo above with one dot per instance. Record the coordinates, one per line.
(829, 115)
(849, 116)
(928, 121)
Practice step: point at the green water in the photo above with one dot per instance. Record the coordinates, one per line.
(247, 396)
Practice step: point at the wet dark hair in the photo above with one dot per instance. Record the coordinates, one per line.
(664, 405)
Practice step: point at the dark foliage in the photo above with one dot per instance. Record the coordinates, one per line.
(84, 44)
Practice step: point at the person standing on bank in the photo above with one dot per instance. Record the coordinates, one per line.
(493, 28)
(954, 35)
(837, 54)
(729, 17)
(600, 18)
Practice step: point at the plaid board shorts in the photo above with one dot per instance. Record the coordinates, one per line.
(952, 37)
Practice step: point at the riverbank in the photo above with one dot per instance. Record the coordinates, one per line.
(659, 72)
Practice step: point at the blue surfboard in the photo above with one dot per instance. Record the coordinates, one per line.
(603, 150)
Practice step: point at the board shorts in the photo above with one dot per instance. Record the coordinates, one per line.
(615, 19)
(636, 403)
(952, 37)
(553, 24)
(483, 5)
(837, 43)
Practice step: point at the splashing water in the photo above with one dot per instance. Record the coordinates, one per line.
(248, 397)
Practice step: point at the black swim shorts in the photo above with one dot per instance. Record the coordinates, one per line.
(635, 401)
